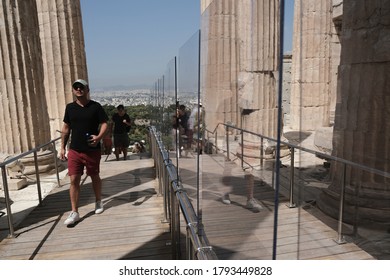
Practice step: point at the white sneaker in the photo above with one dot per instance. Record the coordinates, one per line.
(254, 205)
(226, 199)
(72, 218)
(99, 207)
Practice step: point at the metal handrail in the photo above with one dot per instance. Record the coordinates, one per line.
(317, 153)
(175, 196)
(5, 180)
(293, 147)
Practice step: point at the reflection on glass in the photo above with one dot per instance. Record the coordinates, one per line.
(188, 113)
(332, 170)
(170, 92)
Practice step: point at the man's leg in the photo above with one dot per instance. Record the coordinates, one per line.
(125, 145)
(117, 152)
(74, 191)
(251, 203)
(124, 152)
(97, 186)
(93, 171)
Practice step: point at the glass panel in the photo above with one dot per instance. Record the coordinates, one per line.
(169, 105)
(311, 150)
(239, 86)
(188, 111)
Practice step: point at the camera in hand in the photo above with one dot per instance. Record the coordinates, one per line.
(88, 137)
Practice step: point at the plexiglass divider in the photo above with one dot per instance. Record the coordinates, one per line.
(263, 186)
(188, 98)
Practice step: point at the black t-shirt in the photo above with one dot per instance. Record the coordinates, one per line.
(119, 126)
(82, 121)
(183, 120)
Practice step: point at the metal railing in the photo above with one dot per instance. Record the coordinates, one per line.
(175, 199)
(3, 167)
(293, 148)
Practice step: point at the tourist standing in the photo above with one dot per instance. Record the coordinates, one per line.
(122, 125)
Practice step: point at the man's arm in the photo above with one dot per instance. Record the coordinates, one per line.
(64, 140)
(95, 139)
(127, 120)
(102, 131)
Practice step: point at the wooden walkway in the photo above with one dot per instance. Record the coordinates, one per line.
(131, 227)
(236, 232)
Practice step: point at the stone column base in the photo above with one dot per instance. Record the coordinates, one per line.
(370, 206)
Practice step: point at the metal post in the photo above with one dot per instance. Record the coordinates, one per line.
(37, 176)
(340, 238)
(242, 149)
(261, 152)
(188, 244)
(166, 197)
(56, 164)
(216, 142)
(291, 203)
(177, 227)
(227, 144)
(173, 226)
(159, 175)
(7, 203)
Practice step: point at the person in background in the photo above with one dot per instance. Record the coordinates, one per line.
(183, 116)
(86, 122)
(179, 126)
(198, 128)
(122, 125)
(107, 140)
(183, 127)
(190, 127)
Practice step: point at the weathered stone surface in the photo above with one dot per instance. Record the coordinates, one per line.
(311, 76)
(16, 184)
(361, 130)
(240, 64)
(323, 139)
(23, 109)
(42, 52)
(63, 54)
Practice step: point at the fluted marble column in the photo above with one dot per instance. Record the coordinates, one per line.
(311, 66)
(63, 54)
(258, 72)
(219, 62)
(362, 127)
(240, 67)
(24, 122)
(258, 29)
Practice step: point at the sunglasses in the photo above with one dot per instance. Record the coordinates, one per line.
(77, 86)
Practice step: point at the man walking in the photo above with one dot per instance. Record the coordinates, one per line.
(86, 122)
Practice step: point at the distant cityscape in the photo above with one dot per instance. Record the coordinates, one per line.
(125, 97)
(138, 97)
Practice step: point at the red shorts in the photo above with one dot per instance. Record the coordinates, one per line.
(78, 160)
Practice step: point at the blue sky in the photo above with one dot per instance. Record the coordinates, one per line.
(130, 42)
